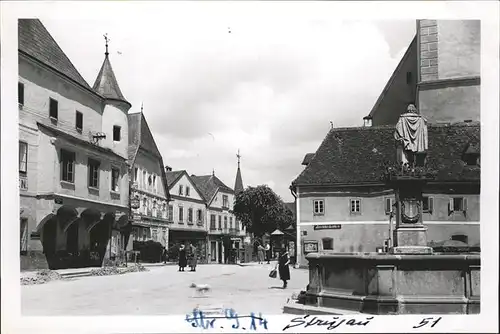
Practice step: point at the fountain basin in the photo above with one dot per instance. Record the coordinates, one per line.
(394, 283)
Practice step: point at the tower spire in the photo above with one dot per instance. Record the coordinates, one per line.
(238, 184)
(142, 106)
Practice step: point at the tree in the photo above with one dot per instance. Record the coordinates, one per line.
(261, 210)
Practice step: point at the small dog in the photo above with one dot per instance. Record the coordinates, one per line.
(201, 288)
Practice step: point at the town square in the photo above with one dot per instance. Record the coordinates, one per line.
(323, 167)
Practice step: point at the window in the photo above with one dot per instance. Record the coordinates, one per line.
(154, 183)
(93, 167)
(212, 222)
(170, 213)
(428, 204)
(230, 222)
(355, 206)
(225, 223)
(389, 202)
(327, 243)
(460, 237)
(79, 121)
(190, 215)
(23, 157)
(408, 78)
(458, 204)
(67, 166)
(471, 159)
(181, 214)
(117, 133)
(319, 207)
(225, 201)
(20, 93)
(144, 179)
(187, 191)
(136, 171)
(115, 179)
(53, 109)
(220, 222)
(199, 217)
(181, 190)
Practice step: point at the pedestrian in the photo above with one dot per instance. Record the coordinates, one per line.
(268, 252)
(164, 255)
(260, 253)
(182, 258)
(193, 257)
(283, 269)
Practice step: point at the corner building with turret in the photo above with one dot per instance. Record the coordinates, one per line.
(73, 150)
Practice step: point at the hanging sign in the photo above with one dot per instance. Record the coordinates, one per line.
(328, 227)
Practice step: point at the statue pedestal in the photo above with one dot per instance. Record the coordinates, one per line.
(411, 239)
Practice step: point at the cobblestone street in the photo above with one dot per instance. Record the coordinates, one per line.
(164, 291)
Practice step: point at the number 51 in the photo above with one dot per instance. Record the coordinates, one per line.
(425, 322)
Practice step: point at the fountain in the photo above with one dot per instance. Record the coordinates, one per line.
(409, 278)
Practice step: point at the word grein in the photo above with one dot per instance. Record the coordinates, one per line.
(329, 324)
(200, 320)
(426, 321)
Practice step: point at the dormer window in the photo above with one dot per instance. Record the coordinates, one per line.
(471, 159)
(367, 121)
(471, 155)
(117, 133)
(181, 190)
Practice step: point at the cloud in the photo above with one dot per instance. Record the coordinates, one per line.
(268, 89)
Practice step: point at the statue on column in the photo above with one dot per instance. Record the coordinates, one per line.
(411, 135)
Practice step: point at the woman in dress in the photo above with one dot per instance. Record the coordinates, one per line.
(182, 258)
(193, 258)
(260, 253)
(283, 269)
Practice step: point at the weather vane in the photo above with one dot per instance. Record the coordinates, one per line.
(238, 156)
(107, 41)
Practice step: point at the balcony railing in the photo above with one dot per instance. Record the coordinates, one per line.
(23, 182)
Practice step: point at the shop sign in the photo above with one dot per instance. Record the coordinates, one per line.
(328, 227)
(310, 247)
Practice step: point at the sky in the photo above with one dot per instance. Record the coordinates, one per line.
(270, 90)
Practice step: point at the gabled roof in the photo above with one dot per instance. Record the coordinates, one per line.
(106, 83)
(35, 41)
(307, 159)
(356, 155)
(140, 137)
(411, 47)
(209, 185)
(174, 176)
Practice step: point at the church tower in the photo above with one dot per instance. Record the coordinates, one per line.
(116, 107)
(238, 184)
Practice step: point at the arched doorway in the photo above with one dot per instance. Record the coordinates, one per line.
(100, 234)
(49, 241)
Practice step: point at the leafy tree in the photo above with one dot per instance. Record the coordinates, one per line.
(261, 210)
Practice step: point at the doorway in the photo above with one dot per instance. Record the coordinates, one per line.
(219, 252)
(99, 236)
(72, 239)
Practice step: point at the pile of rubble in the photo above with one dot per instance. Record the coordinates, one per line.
(135, 268)
(105, 271)
(40, 277)
(113, 270)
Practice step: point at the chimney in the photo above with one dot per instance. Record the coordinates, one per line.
(168, 169)
(367, 121)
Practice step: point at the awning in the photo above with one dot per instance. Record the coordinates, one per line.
(277, 232)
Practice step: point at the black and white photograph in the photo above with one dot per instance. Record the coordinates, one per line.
(240, 167)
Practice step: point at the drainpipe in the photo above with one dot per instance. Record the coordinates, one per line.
(297, 214)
